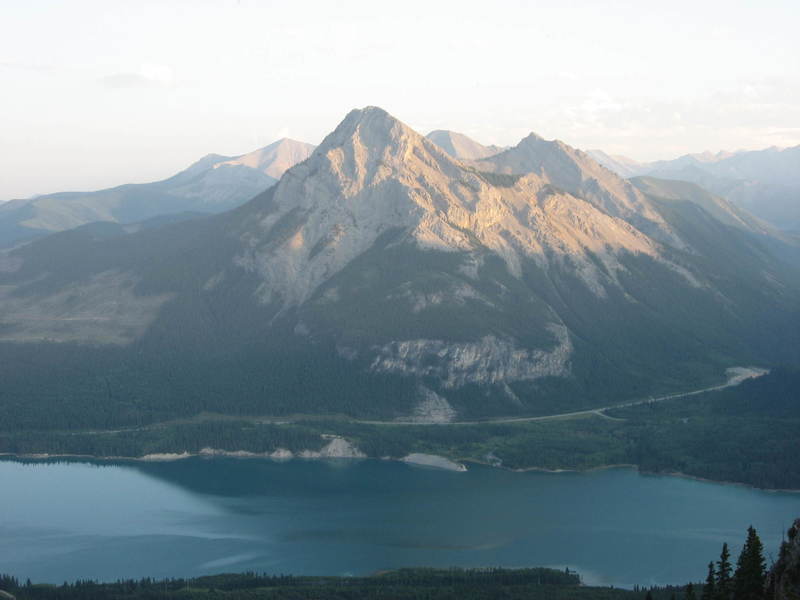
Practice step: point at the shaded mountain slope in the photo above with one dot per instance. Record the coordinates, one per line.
(384, 278)
(460, 146)
(764, 182)
(213, 184)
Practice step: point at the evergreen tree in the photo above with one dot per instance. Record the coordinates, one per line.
(688, 593)
(649, 595)
(709, 591)
(723, 585)
(8, 582)
(750, 576)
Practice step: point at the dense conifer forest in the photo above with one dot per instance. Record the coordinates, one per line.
(411, 584)
(746, 579)
(745, 434)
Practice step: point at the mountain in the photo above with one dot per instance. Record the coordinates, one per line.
(621, 165)
(458, 145)
(766, 183)
(575, 172)
(213, 184)
(383, 278)
(716, 206)
(275, 159)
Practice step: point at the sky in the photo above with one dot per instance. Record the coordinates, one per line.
(99, 93)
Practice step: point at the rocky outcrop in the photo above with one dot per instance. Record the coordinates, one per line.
(783, 580)
(500, 286)
(374, 174)
(488, 361)
(432, 408)
(165, 456)
(337, 447)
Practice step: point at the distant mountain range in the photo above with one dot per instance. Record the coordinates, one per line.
(460, 146)
(213, 184)
(763, 182)
(382, 277)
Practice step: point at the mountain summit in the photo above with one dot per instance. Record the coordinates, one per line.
(273, 160)
(384, 277)
(374, 174)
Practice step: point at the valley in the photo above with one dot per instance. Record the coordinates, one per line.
(708, 434)
(357, 301)
(200, 516)
(383, 279)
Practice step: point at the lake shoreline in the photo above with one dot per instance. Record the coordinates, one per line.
(431, 461)
(457, 465)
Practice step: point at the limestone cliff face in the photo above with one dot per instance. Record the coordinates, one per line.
(374, 174)
(783, 580)
(411, 283)
(486, 361)
(577, 173)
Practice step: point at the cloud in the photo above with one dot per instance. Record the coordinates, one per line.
(148, 76)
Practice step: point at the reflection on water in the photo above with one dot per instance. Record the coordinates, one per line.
(73, 519)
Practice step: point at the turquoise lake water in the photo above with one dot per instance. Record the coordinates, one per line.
(62, 520)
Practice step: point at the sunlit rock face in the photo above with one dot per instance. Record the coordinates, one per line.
(384, 276)
(374, 174)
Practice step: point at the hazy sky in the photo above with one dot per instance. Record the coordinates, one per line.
(97, 93)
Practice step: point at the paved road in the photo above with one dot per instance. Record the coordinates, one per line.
(735, 376)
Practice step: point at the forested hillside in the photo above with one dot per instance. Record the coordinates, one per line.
(746, 433)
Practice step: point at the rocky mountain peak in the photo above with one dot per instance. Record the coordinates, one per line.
(382, 276)
(460, 146)
(369, 136)
(371, 147)
(577, 173)
(372, 126)
(273, 160)
(374, 174)
(532, 137)
(199, 166)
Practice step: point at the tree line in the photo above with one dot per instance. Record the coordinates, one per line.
(747, 579)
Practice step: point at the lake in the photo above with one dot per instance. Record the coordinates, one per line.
(62, 520)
